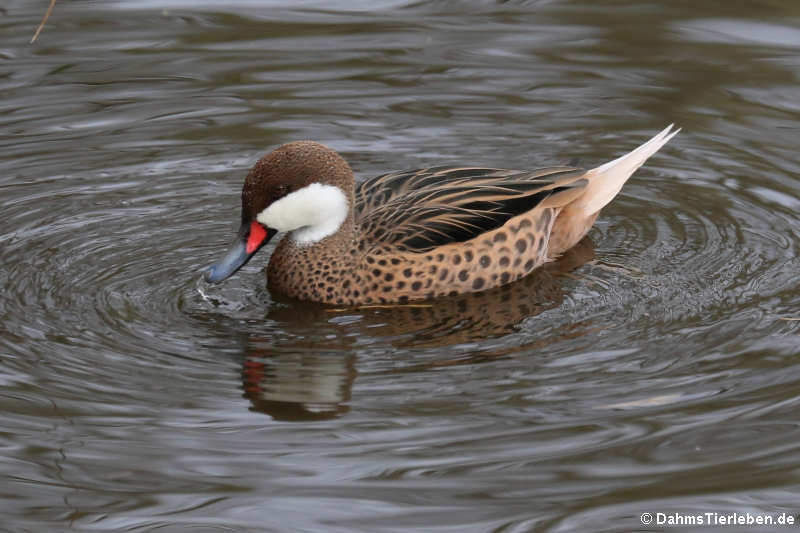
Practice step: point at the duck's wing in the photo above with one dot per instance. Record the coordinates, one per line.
(418, 210)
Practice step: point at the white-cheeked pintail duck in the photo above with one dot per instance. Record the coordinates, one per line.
(416, 234)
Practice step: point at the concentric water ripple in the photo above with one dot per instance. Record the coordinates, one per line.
(659, 264)
(653, 368)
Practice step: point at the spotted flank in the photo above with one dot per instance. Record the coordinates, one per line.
(413, 235)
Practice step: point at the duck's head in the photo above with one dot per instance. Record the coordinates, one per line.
(302, 187)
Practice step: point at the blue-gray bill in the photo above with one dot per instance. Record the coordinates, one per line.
(250, 239)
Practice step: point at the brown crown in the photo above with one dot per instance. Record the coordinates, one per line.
(291, 167)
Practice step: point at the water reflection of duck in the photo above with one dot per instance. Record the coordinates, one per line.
(300, 384)
(413, 235)
(312, 379)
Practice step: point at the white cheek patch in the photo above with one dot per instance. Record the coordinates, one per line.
(312, 213)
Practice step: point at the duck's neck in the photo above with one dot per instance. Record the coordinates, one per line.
(306, 271)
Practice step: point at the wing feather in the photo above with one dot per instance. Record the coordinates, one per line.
(418, 210)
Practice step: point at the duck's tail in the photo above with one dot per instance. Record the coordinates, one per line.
(606, 180)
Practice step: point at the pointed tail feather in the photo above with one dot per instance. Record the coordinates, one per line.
(606, 180)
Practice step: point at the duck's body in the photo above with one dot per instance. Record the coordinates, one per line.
(401, 244)
(417, 234)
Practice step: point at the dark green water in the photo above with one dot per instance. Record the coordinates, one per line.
(654, 369)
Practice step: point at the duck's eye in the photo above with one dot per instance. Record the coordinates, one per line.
(283, 190)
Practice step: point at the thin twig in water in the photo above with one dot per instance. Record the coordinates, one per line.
(41, 25)
(790, 318)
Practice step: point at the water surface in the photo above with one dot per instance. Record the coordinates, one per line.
(653, 369)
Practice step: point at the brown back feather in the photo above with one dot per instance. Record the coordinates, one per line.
(421, 209)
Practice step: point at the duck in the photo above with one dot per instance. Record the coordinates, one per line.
(414, 234)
